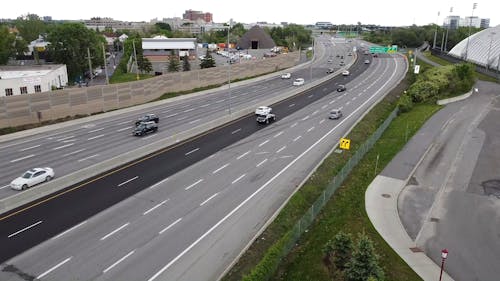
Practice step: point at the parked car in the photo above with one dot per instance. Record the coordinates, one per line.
(262, 110)
(335, 114)
(341, 88)
(345, 73)
(298, 82)
(367, 61)
(32, 177)
(330, 70)
(145, 128)
(286, 75)
(147, 118)
(342, 63)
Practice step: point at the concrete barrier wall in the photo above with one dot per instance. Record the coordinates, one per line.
(33, 108)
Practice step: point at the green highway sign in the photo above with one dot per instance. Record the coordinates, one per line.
(390, 50)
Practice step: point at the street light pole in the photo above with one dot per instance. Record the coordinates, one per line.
(489, 50)
(444, 255)
(468, 37)
(435, 32)
(447, 29)
(229, 68)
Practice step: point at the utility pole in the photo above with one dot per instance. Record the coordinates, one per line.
(105, 64)
(229, 67)
(136, 64)
(435, 32)
(468, 37)
(447, 29)
(91, 72)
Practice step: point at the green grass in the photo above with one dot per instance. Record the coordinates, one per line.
(118, 77)
(346, 209)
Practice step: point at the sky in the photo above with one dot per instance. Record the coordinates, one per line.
(390, 13)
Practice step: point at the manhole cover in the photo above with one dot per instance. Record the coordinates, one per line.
(385, 195)
(491, 187)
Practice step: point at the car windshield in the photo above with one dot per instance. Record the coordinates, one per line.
(141, 126)
(27, 175)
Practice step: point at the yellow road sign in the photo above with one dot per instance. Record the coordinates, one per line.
(345, 143)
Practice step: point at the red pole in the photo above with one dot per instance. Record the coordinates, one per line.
(442, 267)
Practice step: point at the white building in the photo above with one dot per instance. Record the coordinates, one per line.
(159, 48)
(17, 80)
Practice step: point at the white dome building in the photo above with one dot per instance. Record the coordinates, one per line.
(484, 48)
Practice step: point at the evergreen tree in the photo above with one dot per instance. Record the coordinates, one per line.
(185, 65)
(207, 61)
(144, 64)
(364, 262)
(173, 65)
(342, 247)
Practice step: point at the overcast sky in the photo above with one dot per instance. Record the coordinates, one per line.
(392, 13)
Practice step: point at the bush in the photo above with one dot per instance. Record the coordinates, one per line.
(405, 103)
(423, 91)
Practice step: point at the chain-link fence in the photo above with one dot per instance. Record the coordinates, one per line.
(290, 239)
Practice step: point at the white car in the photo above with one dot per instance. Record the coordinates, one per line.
(263, 110)
(345, 73)
(32, 177)
(286, 76)
(298, 82)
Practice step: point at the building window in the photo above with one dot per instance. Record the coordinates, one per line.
(8, 92)
(38, 89)
(24, 90)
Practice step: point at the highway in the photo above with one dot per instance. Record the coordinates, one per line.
(187, 212)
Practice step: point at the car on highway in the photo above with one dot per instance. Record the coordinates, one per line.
(335, 114)
(298, 82)
(32, 177)
(349, 54)
(145, 128)
(261, 110)
(330, 61)
(367, 61)
(286, 75)
(147, 118)
(329, 70)
(375, 55)
(341, 88)
(342, 63)
(266, 118)
(345, 73)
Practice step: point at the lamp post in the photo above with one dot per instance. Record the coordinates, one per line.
(447, 29)
(468, 37)
(435, 32)
(444, 255)
(489, 50)
(229, 68)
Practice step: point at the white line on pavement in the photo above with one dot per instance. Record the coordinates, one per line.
(70, 137)
(168, 227)
(297, 138)
(291, 105)
(187, 110)
(182, 118)
(53, 268)
(278, 134)
(242, 155)
(74, 152)
(148, 137)
(63, 146)
(315, 112)
(158, 183)
(219, 101)
(347, 103)
(117, 262)
(205, 105)
(294, 124)
(194, 150)
(310, 96)
(87, 158)
(321, 121)
(209, 198)
(22, 158)
(31, 147)
(123, 129)
(331, 102)
(197, 182)
(353, 98)
(305, 118)
(71, 140)
(124, 122)
(261, 162)
(74, 227)
(127, 181)
(239, 178)
(24, 229)
(158, 205)
(324, 106)
(216, 171)
(310, 129)
(96, 130)
(4, 186)
(171, 115)
(235, 131)
(114, 231)
(194, 121)
(281, 149)
(96, 137)
(263, 143)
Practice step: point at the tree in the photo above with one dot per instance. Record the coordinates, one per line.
(207, 61)
(144, 64)
(7, 41)
(30, 27)
(70, 42)
(163, 26)
(185, 64)
(364, 262)
(342, 249)
(173, 64)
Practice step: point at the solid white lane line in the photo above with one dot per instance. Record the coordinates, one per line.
(114, 231)
(194, 121)
(124, 122)
(261, 162)
(297, 138)
(208, 232)
(315, 112)
(235, 131)
(53, 268)
(209, 198)
(281, 149)
(216, 171)
(305, 118)
(118, 261)
(278, 134)
(168, 227)
(182, 118)
(171, 115)
(187, 110)
(294, 124)
(192, 151)
(31, 147)
(22, 158)
(24, 229)
(310, 129)
(96, 137)
(158, 183)
(127, 181)
(197, 182)
(123, 129)
(263, 143)
(291, 105)
(87, 158)
(239, 178)
(66, 138)
(321, 121)
(242, 155)
(73, 228)
(63, 146)
(96, 130)
(158, 205)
